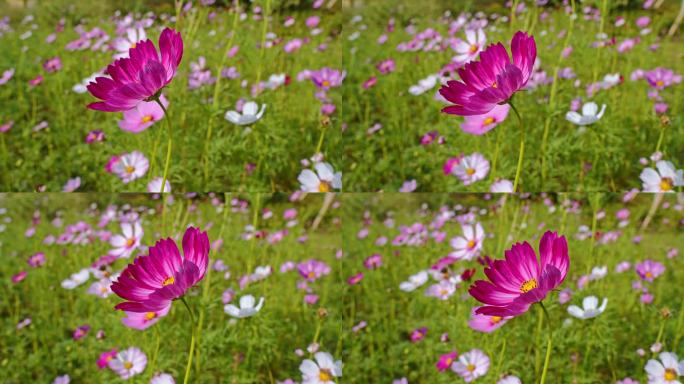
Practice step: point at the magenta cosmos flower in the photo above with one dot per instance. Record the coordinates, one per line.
(139, 77)
(521, 280)
(492, 80)
(153, 281)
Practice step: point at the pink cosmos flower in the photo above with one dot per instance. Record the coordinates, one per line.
(154, 280)
(485, 323)
(492, 80)
(80, 332)
(143, 116)
(105, 357)
(312, 269)
(649, 270)
(418, 334)
(140, 77)
(143, 320)
(327, 78)
(521, 280)
(481, 124)
(661, 78)
(445, 361)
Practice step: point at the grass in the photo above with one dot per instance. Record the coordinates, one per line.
(208, 153)
(585, 351)
(558, 155)
(259, 349)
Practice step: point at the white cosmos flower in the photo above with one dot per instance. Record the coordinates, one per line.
(128, 241)
(323, 371)
(589, 114)
(663, 180)
(590, 308)
(128, 363)
(324, 179)
(666, 372)
(250, 114)
(501, 186)
(162, 378)
(246, 309)
(82, 87)
(414, 281)
(469, 245)
(424, 85)
(132, 38)
(76, 279)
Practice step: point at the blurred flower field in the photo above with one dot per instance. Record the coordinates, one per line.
(599, 98)
(252, 103)
(416, 259)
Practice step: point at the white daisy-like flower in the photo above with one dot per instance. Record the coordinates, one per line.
(590, 114)
(666, 371)
(250, 114)
(128, 241)
(246, 309)
(662, 180)
(131, 40)
(325, 179)
(323, 371)
(590, 308)
(414, 281)
(128, 363)
(76, 279)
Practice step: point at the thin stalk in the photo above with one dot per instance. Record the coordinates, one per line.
(192, 342)
(548, 345)
(521, 152)
(168, 156)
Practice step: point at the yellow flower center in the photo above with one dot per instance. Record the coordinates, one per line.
(494, 85)
(169, 280)
(449, 360)
(130, 169)
(103, 290)
(128, 365)
(150, 315)
(147, 119)
(324, 375)
(443, 292)
(670, 374)
(666, 184)
(470, 171)
(326, 83)
(660, 83)
(470, 367)
(473, 48)
(528, 285)
(471, 244)
(648, 275)
(134, 45)
(488, 121)
(130, 242)
(311, 275)
(495, 319)
(324, 186)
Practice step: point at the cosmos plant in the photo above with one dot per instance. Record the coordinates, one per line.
(154, 281)
(140, 78)
(521, 279)
(490, 83)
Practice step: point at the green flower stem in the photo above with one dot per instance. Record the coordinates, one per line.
(521, 151)
(548, 345)
(168, 156)
(192, 342)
